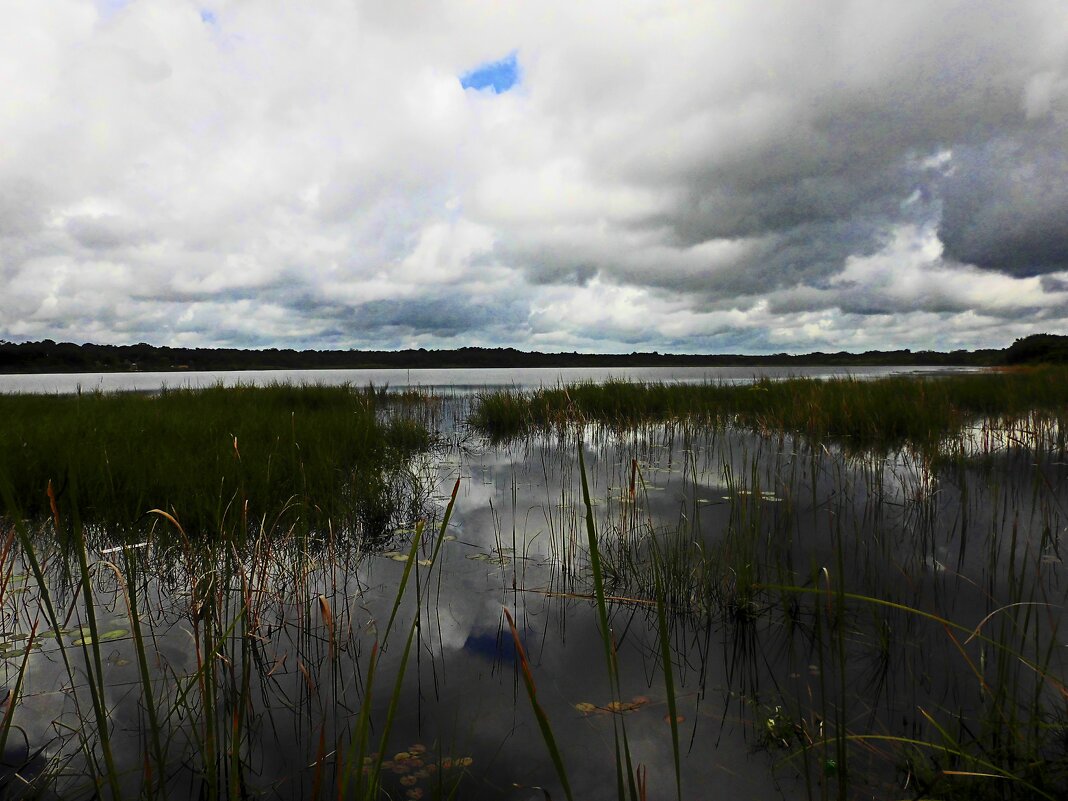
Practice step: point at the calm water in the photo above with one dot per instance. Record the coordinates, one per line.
(452, 380)
(758, 672)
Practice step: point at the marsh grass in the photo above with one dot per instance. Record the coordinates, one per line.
(272, 627)
(879, 414)
(258, 507)
(844, 590)
(826, 580)
(316, 454)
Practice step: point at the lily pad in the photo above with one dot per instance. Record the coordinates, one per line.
(18, 653)
(114, 634)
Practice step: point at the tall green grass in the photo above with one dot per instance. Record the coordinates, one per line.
(830, 586)
(316, 454)
(882, 414)
(853, 584)
(200, 724)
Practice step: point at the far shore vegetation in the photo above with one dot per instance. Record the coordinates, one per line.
(66, 357)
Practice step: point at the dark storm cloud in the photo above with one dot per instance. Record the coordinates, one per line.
(1005, 206)
(445, 316)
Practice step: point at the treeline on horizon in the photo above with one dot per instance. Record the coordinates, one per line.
(67, 357)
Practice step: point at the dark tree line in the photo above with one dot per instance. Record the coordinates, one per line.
(49, 356)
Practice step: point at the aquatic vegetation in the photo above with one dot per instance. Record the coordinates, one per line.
(308, 454)
(882, 414)
(693, 602)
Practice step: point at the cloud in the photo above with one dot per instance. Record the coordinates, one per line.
(671, 176)
(1005, 206)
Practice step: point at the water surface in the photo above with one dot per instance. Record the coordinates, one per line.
(454, 380)
(766, 679)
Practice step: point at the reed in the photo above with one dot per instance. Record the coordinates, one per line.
(842, 589)
(839, 565)
(864, 414)
(315, 453)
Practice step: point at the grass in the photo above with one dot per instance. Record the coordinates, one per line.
(877, 414)
(202, 724)
(311, 454)
(842, 591)
(822, 567)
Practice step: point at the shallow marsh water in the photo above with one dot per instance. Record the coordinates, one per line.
(760, 671)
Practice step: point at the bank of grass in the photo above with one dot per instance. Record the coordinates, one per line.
(313, 453)
(882, 413)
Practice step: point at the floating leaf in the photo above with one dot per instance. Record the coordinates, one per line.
(18, 652)
(114, 634)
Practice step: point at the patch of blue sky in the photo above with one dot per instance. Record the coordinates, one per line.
(109, 7)
(500, 76)
(207, 16)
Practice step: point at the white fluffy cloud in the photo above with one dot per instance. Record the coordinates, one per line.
(676, 176)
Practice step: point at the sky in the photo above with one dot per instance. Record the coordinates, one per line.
(695, 177)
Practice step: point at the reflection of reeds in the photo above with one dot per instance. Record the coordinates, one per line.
(539, 713)
(987, 695)
(202, 723)
(831, 585)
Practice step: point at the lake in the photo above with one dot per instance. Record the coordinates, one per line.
(832, 619)
(451, 380)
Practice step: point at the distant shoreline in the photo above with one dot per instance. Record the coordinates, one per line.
(52, 357)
